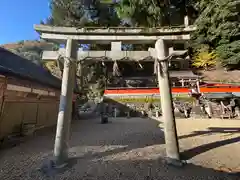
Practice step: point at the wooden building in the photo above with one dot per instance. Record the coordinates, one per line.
(29, 94)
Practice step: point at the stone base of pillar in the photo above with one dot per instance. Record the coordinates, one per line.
(174, 162)
(51, 168)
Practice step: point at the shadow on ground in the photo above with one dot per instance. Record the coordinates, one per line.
(106, 151)
(95, 165)
(190, 153)
(136, 169)
(212, 130)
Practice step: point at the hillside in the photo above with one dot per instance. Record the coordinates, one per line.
(31, 50)
(221, 76)
(27, 44)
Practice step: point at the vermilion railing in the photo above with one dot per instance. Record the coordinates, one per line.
(216, 88)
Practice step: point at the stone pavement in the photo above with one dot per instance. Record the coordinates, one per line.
(129, 149)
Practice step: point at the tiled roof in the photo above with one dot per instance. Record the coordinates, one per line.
(13, 64)
(183, 74)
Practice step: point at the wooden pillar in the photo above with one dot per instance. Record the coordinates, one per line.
(198, 86)
(186, 21)
(182, 81)
(80, 75)
(115, 112)
(198, 91)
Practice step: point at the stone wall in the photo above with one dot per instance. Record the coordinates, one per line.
(143, 103)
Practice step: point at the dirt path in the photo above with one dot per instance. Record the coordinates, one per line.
(129, 149)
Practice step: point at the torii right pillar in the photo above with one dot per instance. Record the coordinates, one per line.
(170, 131)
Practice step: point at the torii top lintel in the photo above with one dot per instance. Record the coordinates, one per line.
(109, 34)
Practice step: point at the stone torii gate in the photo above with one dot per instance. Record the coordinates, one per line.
(73, 36)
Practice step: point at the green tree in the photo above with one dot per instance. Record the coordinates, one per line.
(80, 13)
(218, 26)
(153, 13)
(67, 13)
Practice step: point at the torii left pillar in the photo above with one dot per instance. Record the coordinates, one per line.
(170, 132)
(65, 106)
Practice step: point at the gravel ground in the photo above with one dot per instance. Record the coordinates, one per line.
(129, 149)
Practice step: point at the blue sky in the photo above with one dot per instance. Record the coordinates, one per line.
(17, 18)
